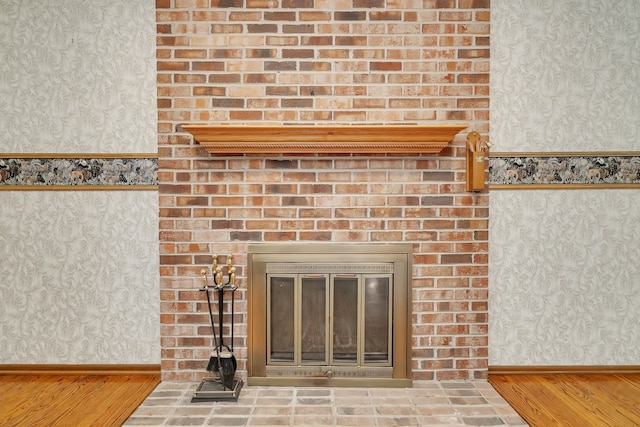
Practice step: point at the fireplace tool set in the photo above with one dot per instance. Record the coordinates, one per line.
(222, 360)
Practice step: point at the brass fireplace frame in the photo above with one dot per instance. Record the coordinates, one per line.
(259, 255)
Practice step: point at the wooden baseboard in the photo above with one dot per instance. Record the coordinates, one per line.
(561, 369)
(80, 369)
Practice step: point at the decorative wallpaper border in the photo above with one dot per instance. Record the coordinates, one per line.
(78, 172)
(564, 170)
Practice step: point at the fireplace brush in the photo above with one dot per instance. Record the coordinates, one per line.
(221, 290)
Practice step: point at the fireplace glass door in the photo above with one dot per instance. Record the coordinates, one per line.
(329, 320)
(329, 314)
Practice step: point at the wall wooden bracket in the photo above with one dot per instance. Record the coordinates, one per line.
(477, 156)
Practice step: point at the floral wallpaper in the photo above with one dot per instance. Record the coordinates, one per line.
(79, 269)
(79, 277)
(43, 173)
(564, 275)
(565, 170)
(564, 75)
(77, 76)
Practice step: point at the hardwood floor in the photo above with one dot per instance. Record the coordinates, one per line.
(72, 400)
(572, 399)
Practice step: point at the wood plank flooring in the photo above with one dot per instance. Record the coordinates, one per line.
(572, 399)
(72, 400)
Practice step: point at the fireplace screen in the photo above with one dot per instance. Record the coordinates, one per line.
(329, 319)
(332, 320)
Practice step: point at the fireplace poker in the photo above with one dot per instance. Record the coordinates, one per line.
(222, 288)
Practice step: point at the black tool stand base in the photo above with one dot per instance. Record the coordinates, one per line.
(211, 390)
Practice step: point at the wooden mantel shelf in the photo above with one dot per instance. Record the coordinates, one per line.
(218, 139)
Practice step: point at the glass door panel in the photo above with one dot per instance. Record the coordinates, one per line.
(377, 309)
(345, 319)
(281, 318)
(314, 319)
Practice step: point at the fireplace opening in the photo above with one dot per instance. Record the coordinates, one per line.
(326, 314)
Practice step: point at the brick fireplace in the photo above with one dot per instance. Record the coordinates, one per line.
(328, 314)
(299, 62)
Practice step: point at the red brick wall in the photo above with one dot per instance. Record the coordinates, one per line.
(324, 61)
